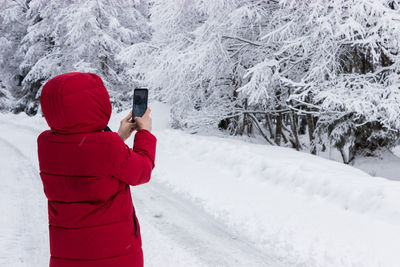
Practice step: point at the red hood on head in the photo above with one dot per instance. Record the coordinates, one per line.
(75, 102)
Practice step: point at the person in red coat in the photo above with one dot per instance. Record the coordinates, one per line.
(86, 174)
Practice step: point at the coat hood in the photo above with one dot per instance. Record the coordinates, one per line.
(75, 102)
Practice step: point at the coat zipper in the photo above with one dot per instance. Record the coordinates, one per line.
(134, 221)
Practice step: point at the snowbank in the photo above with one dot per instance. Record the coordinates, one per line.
(302, 208)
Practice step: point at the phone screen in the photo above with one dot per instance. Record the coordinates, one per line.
(140, 96)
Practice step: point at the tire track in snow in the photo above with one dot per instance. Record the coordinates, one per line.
(24, 236)
(23, 138)
(198, 232)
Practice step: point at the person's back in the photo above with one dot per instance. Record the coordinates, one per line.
(86, 173)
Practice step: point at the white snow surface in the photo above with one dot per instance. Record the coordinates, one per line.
(386, 164)
(216, 201)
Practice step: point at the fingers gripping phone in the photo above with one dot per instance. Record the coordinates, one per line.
(140, 98)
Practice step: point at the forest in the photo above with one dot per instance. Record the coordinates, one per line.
(306, 74)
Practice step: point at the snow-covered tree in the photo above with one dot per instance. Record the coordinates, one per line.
(12, 29)
(339, 61)
(197, 57)
(307, 74)
(323, 68)
(79, 35)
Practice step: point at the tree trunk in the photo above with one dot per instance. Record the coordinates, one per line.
(268, 123)
(257, 125)
(244, 122)
(278, 130)
(345, 161)
(294, 130)
(249, 128)
(236, 119)
(285, 139)
(310, 123)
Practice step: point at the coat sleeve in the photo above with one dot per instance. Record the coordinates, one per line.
(133, 166)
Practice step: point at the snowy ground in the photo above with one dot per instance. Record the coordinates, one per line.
(385, 164)
(216, 201)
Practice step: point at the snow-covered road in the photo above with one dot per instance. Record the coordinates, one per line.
(188, 227)
(175, 231)
(23, 222)
(216, 201)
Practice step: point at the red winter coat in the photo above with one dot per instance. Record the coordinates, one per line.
(86, 174)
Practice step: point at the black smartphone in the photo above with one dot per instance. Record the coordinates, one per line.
(140, 97)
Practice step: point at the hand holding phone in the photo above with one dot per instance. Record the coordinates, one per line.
(140, 111)
(144, 122)
(126, 127)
